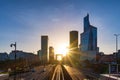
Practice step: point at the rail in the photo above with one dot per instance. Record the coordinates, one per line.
(58, 73)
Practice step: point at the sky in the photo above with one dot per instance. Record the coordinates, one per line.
(24, 21)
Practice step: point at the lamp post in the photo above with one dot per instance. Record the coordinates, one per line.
(11, 45)
(116, 35)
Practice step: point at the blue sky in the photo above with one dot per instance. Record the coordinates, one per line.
(24, 21)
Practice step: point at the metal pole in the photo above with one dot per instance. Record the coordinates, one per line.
(15, 58)
(116, 35)
(116, 43)
(109, 70)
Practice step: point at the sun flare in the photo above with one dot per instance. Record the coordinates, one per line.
(59, 58)
(62, 49)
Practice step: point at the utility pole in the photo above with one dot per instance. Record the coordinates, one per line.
(11, 45)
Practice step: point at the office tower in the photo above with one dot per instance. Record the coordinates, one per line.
(89, 36)
(88, 44)
(73, 41)
(73, 49)
(44, 49)
(51, 54)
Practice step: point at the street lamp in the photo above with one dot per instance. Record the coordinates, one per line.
(11, 45)
(116, 35)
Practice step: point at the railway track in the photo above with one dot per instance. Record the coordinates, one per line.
(60, 73)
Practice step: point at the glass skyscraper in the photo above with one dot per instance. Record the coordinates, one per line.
(44, 48)
(89, 36)
(73, 41)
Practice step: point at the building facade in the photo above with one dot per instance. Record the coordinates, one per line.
(73, 41)
(44, 49)
(4, 56)
(27, 57)
(39, 53)
(51, 54)
(73, 48)
(89, 36)
(89, 40)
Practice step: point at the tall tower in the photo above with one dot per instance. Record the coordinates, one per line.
(73, 48)
(89, 39)
(73, 41)
(89, 36)
(51, 54)
(44, 48)
(86, 23)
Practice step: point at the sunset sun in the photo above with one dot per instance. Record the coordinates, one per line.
(62, 49)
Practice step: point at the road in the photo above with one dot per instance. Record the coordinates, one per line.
(74, 73)
(38, 74)
(60, 73)
(55, 72)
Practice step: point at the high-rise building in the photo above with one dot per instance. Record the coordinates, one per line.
(89, 40)
(89, 36)
(44, 49)
(73, 40)
(73, 49)
(51, 54)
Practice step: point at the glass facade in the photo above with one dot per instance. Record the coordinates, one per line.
(89, 36)
(73, 40)
(44, 48)
(86, 23)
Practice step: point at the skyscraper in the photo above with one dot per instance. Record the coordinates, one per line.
(88, 45)
(73, 40)
(89, 36)
(44, 48)
(51, 54)
(73, 48)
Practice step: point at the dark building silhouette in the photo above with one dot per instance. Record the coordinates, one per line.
(73, 41)
(3, 56)
(44, 49)
(51, 54)
(20, 54)
(73, 49)
(117, 56)
(88, 45)
(28, 57)
(39, 53)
